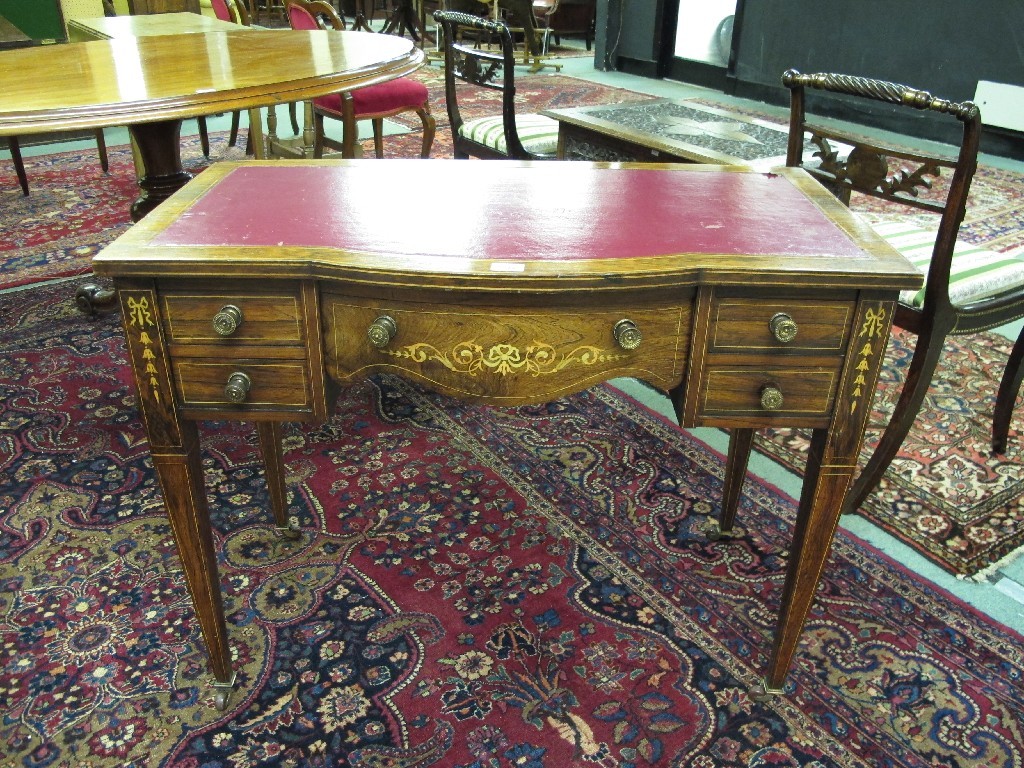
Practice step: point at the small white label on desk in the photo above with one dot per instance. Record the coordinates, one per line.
(508, 266)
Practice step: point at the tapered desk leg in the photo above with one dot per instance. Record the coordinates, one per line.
(270, 433)
(740, 443)
(831, 461)
(174, 445)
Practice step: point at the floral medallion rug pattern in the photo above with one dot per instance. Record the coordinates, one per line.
(473, 587)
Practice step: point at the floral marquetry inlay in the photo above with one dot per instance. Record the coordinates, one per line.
(871, 340)
(536, 359)
(140, 316)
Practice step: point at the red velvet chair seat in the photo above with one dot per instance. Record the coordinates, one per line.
(378, 99)
(374, 102)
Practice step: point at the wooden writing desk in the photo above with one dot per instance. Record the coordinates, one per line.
(755, 299)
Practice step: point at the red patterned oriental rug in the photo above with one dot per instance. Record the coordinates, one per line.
(473, 587)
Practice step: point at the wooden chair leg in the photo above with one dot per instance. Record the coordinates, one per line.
(101, 148)
(378, 137)
(19, 165)
(293, 113)
(233, 136)
(919, 377)
(204, 136)
(429, 129)
(1013, 374)
(349, 134)
(318, 135)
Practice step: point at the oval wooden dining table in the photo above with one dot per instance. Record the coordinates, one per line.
(151, 83)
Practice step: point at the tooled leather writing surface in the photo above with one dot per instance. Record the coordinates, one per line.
(556, 211)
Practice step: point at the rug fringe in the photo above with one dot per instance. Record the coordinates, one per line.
(989, 571)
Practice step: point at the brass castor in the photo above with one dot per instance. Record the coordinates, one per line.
(92, 299)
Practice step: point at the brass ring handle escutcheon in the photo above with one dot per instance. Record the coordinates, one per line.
(238, 386)
(382, 331)
(771, 397)
(783, 327)
(627, 335)
(228, 320)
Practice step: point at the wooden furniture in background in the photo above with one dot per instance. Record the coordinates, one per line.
(667, 131)
(508, 135)
(14, 145)
(754, 299)
(110, 27)
(231, 12)
(143, 7)
(567, 17)
(373, 103)
(39, 20)
(967, 289)
(173, 77)
(12, 37)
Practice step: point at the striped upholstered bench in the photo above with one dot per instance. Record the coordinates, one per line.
(537, 133)
(976, 273)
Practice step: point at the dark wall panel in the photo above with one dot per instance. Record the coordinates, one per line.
(945, 46)
(39, 19)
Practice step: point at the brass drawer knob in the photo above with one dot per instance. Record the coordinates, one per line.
(627, 335)
(238, 386)
(783, 327)
(227, 321)
(381, 331)
(771, 397)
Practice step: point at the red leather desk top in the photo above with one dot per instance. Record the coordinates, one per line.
(497, 210)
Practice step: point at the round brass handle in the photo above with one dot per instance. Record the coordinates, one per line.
(227, 321)
(381, 331)
(783, 327)
(238, 386)
(627, 335)
(771, 397)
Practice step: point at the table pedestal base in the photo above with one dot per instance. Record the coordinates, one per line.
(159, 146)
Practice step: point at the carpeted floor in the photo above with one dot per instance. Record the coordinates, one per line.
(474, 586)
(946, 496)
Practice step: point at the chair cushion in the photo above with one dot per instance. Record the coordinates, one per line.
(383, 98)
(538, 134)
(976, 272)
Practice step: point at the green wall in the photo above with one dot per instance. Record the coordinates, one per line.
(39, 19)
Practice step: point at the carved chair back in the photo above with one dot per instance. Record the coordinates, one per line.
(469, 63)
(846, 162)
(313, 14)
(967, 288)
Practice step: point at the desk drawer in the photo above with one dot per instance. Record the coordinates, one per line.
(264, 385)
(772, 392)
(264, 317)
(506, 355)
(743, 325)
